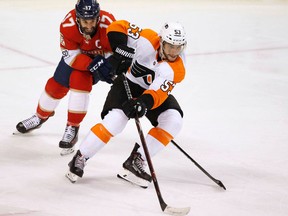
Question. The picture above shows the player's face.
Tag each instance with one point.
(171, 52)
(88, 26)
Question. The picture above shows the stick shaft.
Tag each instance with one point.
(218, 182)
(144, 145)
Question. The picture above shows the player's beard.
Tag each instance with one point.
(167, 57)
(170, 58)
(91, 32)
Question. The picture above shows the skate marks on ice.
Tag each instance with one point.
(13, 210)
(63, 151)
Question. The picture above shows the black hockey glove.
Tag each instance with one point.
(101, 69)
(121, 59)
(134, 107)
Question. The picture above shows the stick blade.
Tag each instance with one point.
(221, 185)
(176, 211)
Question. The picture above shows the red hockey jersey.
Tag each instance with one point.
(78, 49)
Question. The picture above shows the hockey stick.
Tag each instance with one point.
(218, 182)
(165, 208)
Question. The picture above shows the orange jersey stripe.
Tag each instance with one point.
(159, 97)
(129, 29)
(118, 26)
(161, 135)
(152, 36)
(179, 69)
(101, 132)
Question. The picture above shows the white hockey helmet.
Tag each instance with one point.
(173, 33)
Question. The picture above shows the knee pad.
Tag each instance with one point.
(115, 121)
(55, 89)
(78, 101)
(170, 121)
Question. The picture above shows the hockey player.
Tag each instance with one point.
(82, 37)
(158, 64)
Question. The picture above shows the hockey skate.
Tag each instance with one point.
(69, 139)
(76, 166)
(134, 169)
(31, 123)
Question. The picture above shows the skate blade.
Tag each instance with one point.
(72, 177)
(67, 151)
(17, 133)
(131, 178)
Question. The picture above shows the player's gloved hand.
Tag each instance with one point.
(101, 69)
(121, 59)
(134, 107)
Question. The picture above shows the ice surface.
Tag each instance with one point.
(235, 99)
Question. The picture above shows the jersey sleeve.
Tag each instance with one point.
(69, 43)
(69, 33)
(118, 26)
(106, 17)
(170, 73)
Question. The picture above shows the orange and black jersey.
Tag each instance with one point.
(157, 77)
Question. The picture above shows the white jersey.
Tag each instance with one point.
(148, 70)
